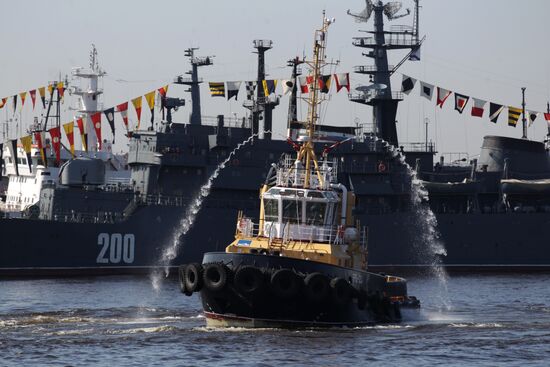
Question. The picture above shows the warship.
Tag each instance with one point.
(491, 213)
(304, 263)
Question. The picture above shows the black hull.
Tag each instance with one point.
(369, 301)
(491, 242)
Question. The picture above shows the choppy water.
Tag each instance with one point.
(122, 321)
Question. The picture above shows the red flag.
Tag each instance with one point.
(123, 109)
(55, 133)
(96, 120)
(478, 107)
(83, 137)
(342, 81)
(33, 97)
(41, 147)
(547, 117)
(305, 81)
(3, 103)
(163, 90)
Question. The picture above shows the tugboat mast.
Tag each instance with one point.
(307, 153)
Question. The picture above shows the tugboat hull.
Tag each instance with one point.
(271, 291)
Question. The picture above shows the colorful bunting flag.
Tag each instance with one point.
(163, 91)
(547, 118)
(69, 133)
(342, 80)
(305, 81)
(12, 147)
(40, 138)
(288, 85)
(23, 96)
(42, 92)
(55, 133)
(1, 155)
(14, 102)
(233, 90)
(83, 135)
(460, 102)
(513, 115)
(407, 85)
(150, 98)
(137, 105)
(26, 141)
(532, 117)
(3, 102)
(50, 89)
(494, 111)
(478, 107)
(110, 115)
(250, 87)
(269, 86)
(61, 89)
(33, 97)
(96, 120)
(442, 95)
(123, 109)
(217, 89)
(426, 90)
(324, 83)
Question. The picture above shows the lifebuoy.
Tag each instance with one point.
(215, 276)
(341, 291)
(249, 279)
(381, 167)
(193, 277)
(285, 283)
(317, 287)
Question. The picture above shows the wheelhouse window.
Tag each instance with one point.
(292, 211)
(315, 213)
(271, 209)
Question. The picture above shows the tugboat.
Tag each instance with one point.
(304, 264)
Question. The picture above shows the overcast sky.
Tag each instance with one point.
(486, 49)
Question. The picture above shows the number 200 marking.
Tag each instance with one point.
(116, 248)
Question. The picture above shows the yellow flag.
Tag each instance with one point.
(69, 129)
(22, 95)
(137, 105)
(42, 92)
(26, 141)
(150, 98)
(50, 88)
(61, 89)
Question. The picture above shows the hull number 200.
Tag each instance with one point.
(116, 248)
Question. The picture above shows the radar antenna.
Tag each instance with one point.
(391, 9)
(363, 16)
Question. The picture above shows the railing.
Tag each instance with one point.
(181, 80)
(369, 69)
(228, 121)
(456, 158)
(418, 147)
(366, 97)
(396, 40)
(285, 233)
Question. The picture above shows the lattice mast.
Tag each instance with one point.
(306, 153)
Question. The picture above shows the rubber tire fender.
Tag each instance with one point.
(317, 287)
(341, 291)
(181, 279)
(215, 276)
(285, 283)
(249, 280)
(193, 277)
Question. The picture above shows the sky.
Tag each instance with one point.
(485, 49)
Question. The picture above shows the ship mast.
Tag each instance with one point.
(307, 153)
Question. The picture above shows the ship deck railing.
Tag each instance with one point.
(228, 121)
(287, 233)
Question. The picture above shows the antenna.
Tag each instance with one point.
(363, 16)
(391, 9)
